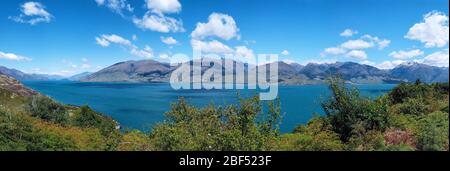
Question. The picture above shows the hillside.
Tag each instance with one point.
(19, 75)
(30, 121)
(132, 71)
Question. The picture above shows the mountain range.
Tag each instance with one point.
(289, 73)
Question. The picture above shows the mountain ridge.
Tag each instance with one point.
(293, 73)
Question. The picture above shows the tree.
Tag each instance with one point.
(353, 115)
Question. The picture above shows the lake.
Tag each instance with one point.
(139, 106)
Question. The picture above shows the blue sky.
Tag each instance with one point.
(72, 36)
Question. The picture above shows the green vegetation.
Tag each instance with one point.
(410, 117)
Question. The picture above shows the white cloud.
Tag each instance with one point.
(84, 60)
(213, 46)
(285, 52)
(357, 44)
(334, 51)
(117, 6)
(243, 51)
(320, 61)
(433, 31)
(106, 40)
(159, 23)
(164, 56)
(381, 43)
(359, 54)
(85, 66)
(366, 62)
(289, 61)
(439, 58)
(32, 13)
(389, 64)
(169, 40)
(218, 25)
(14, 57)
(147, 52)
(164, 6)
(348, 33)
(406, 54)
(102, 42)
(134, 37)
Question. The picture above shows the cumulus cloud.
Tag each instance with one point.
(164, 6)
(213, 46)
(348, 33)
(159, 23)
(357, 44)
(218, 25)
(289, 61)
(164, 56)
(243, 51)
(147, 52)
(334, 51)
(439, 58)
(389, 64)
(358, 54)
(433, 30)
(381, 43)
(117, 6)
(169, 40)
(32, 13)
(14, 57)
(106, 40)
(406, 54)
(285, 52)
(367, 62)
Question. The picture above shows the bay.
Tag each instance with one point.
(141, 105)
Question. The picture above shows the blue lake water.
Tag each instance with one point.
(139, 106)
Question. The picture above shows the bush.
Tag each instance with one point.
(322, 141)
(48, 110)
(228, 128)
(433, 132)
(414, 106)
(85, 117)
(405, 91)
(352, 115)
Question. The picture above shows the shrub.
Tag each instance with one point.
(346, 109)
(47, 109)
(227, 128)
(433, 132)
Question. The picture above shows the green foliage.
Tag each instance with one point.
(315, 136)
(19, 133)
(410, 117)
(218, 129)
(433, 132)
(41, 124)
(406, 91)
(135, 141)
(403, 122)
(413, 106)
(85, 117)
(400, 147)
(45, 108)
(352, 115)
